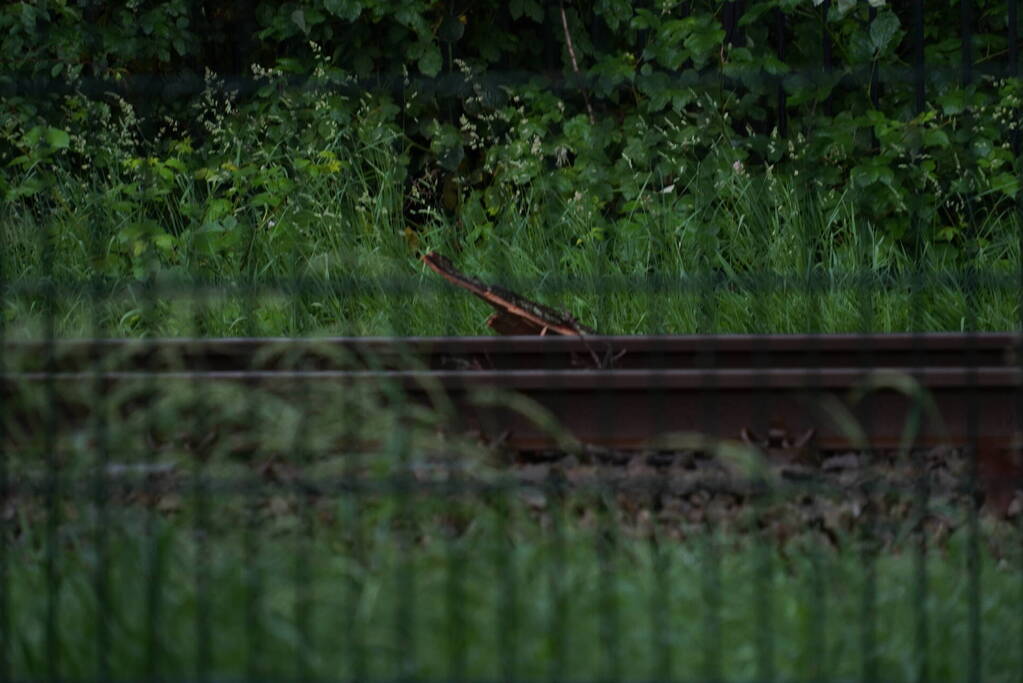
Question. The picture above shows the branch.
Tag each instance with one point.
(575, 62)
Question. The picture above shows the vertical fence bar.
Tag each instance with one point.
(100, 429)
(557, 619)
(505, 564)
(763, 287)
(101, 579)
(826, 47)
(966, 80)
(966, 21)
(866, 286)
(783, 119)
(875, 76)
(661, 595)
(705, 283)
(1013, 19)
(254, 575)
(155, 576)
(922, 492)
(305, 499)
(919, 75)
(973, 538)
(6, 495)
(731, 14)
(204, 633)
(1014, 73)
(455, 583)
(402, 485)
(352, 496)
(49, 457)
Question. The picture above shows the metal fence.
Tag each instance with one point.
(577, 504)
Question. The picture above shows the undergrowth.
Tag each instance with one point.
(229, 531)
(302, 216)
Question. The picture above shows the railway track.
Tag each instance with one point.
(830, 392)
(527, 353)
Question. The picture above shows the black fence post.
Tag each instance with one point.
(1013, 19)
(919, 74)
(829, 102)
(875, 78)
(973, 542)
(5, 493)
(783, 121)
(1014, 73)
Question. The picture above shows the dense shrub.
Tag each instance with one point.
(598, 106)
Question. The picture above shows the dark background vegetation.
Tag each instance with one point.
(204, 121)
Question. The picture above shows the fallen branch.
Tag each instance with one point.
(515, 314)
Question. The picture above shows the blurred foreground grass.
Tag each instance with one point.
(182, 530)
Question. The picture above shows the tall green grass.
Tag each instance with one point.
(371, 595)
(330, 252)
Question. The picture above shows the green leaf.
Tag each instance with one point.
(216, 208)
(705, 38)
(953, 102)
(451, 29)
(298, 16)
(528, 8)
(348, 10)
(176, 164)
(430, 63)
(164, 242)
(870, 172)
(57, 138)
(882, 30)
(30, 187)
(1006, 183)
(934, 137)
(32, 137)
(845, 5)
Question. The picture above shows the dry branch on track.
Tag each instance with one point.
(516, 315)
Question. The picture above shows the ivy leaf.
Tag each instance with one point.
(882, 30)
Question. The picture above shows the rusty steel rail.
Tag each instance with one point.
(525, 353)
(620, 392)
(629, 409)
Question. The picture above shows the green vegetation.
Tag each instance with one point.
(180, 167)
(267, 542)
(641, 178)
(372, 595)
(266, 234)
